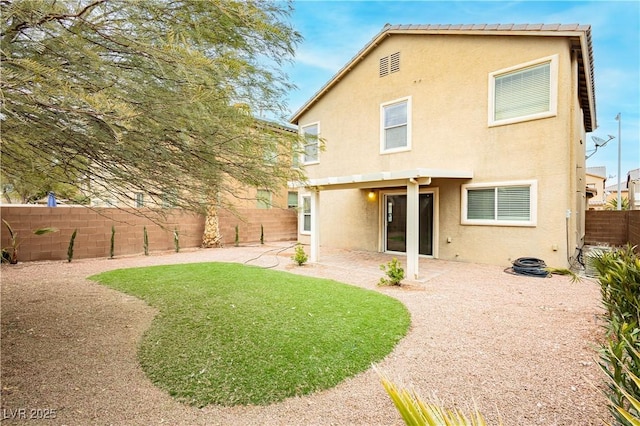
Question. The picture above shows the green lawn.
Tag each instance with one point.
(231, 334)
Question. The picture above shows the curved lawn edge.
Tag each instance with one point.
(231, 334)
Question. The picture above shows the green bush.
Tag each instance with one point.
(300, 257)
(113, 242)
(72, 241)
(619, 277)
(394, 272)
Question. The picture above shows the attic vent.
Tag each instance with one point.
(384, 66)
(390, 64)
(395, 62)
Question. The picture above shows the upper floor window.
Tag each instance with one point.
(139, 199)
(510, 203)
(395, 125)
(312, 143)
(524, 92)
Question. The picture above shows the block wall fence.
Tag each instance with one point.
(612, 227)
(93, 238)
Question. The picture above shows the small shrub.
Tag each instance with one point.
(394, 272)
(300, 257)
(71, 243)
(113, 242)
(176, 240)
(261, 234)
(237, 240)
(10, 254)
(145, 243)
(417, 411)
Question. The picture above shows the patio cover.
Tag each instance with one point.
(412, 179)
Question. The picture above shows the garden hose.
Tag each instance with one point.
(530, 266)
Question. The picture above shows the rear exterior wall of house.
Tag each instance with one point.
(445, 78)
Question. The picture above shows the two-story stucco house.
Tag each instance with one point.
(462, 142)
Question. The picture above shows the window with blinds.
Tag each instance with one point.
(500, 204)
(395, 125)
(526, 92)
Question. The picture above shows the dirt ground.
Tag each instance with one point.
(521, 349)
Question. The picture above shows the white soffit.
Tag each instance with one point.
(384, 179)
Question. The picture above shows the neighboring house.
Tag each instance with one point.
(461, 142)
(596, 180)
(242, 197)
(633, 189)
(629, 188)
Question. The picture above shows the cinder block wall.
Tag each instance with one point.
(277, 225)
(634, 228)
(93, 238)
(612, 227)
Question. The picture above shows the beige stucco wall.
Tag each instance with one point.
(446, 77)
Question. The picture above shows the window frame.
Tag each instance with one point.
(304, 213)
(553, 91)
(304, 148)
(533, 204)
(383, 106)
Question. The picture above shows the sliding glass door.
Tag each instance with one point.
(395, 228)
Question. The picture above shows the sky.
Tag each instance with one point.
(334, 31)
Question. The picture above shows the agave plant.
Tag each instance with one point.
(417, 412)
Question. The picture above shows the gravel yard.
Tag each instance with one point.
(521, 349)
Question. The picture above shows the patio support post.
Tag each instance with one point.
(413, 224)
(315, 225)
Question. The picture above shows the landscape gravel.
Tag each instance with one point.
(522, 350)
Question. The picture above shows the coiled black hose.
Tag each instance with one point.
(530, 266)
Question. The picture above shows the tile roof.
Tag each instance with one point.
(597, 171)
(580, 36)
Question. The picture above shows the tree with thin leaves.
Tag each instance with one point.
(118, 97)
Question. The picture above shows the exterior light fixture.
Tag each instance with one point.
(371, 195)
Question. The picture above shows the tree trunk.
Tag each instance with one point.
(211, 237)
